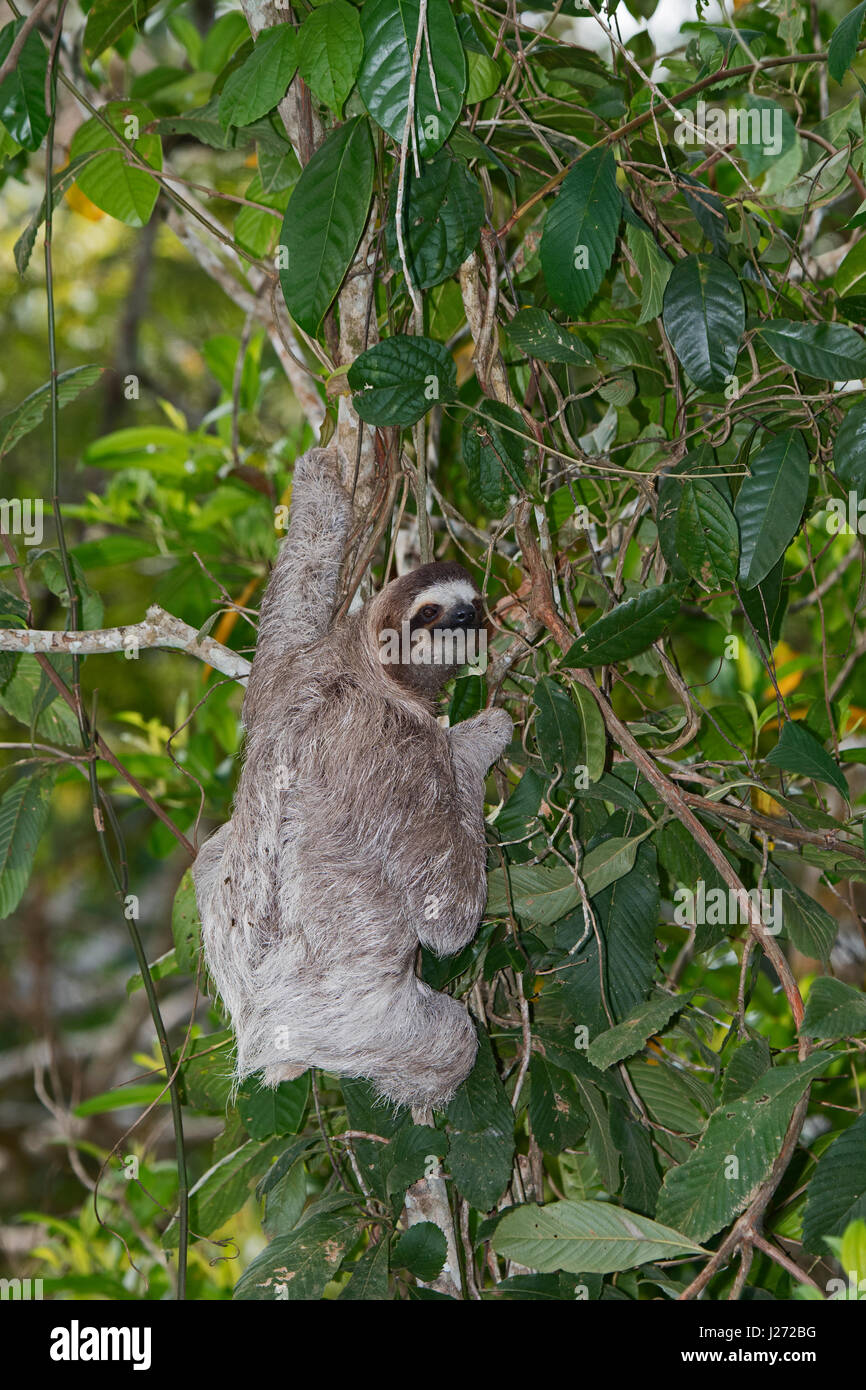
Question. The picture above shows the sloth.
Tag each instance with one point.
(357, 829)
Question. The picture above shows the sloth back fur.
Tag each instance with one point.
(357, 832)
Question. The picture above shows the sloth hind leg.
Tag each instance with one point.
(436, 1051)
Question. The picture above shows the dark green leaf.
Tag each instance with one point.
(493, 446)
(837, 1191)
(22, 93)
(538, 335)
(23, 813)
(261, 82)
(401, 378)
(443, 212)
(829, 350)
(329, 52)
(842, 48)
(107, 20)
(799, 751)
(834, 1010)
(632, 627)
(704, 317)
(585, 1237)
(580, 231)
(770, 504)
(324, 221)
(422, 1250)
(390, 31)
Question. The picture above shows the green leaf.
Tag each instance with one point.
(654, 269)
(585, 1238)
(707, 536)
(849, 450)
(580, 231)
(369, 1281)
(185, 925)
(806, 923)
(22, 93)
(842, 48)
(123, 1097)
(834, 1010)
(555, 1113)
(108, 19)
(330, 46)
(299, 1265)
(799, 751)
(324, 221)
(422, 1250)
(708, 1190)
(770, 504)
(540, 893)
(262, 80)
(569, 728)
(110, 181)
(401, 378)
(26, 416)
(608, 862)
(493, 446)
(829, 350)
(481, 1146)
(266, 1110)
(628, 1037)
(626, 916)
(23, 813)
(630, 628)
(837, 1190)
(538, 335)
(704, 316)
(443, 212)
(390, 31)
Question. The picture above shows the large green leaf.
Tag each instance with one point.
(493, 445)
(481, 1146)
(834, 1010)
(770, 504)
(702, 536)
(22, 93)
(538, 335)
(330, 46)
(421, 1250)
(569, 728)
(627, 1037)
(26, 416)
(108, 19)
(586, 1238)
(555, 1112)
(837, 1190)
(390, 28)
(806, 923)
(737, 1152)
(626, 918)
(110, 181)
(442, 217)
(842, 48)
(262, 80)
(630, 628)
(299, 1265)
(799, 751)
(704, 316)
(267, 1110)
(829, 350)
(580, 231)
(654, 269)
(23, 813)
(324, 221)
(541, 893)
(849, 449)
(401, 378)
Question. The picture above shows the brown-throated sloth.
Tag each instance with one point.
(357, 830)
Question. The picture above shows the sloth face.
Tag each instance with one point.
(427, 624)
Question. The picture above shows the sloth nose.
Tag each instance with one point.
(463, 615)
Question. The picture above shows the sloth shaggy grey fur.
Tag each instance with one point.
(357, 829)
